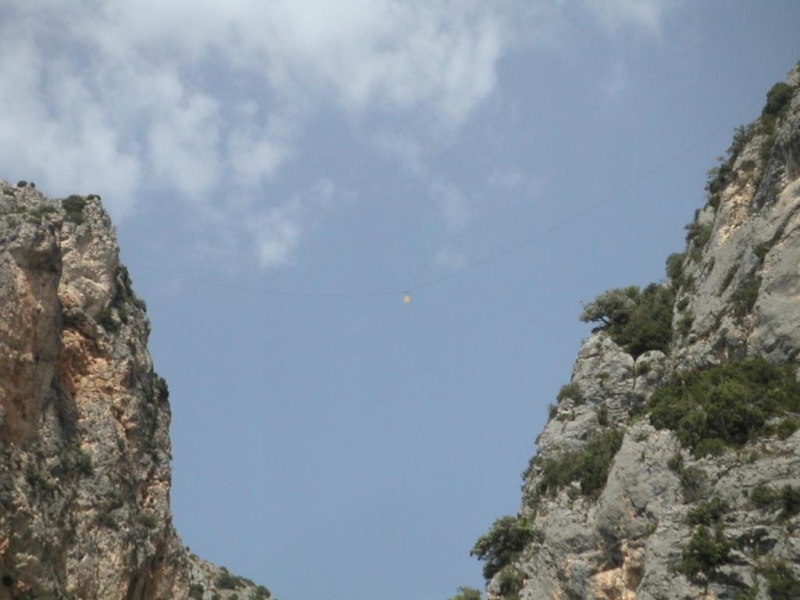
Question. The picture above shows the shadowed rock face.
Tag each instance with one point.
(738, 297)
(84, 419)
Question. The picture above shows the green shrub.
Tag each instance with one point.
(83, 463)
(650, 325)
(705, 553)
(107, 321)
(160, 389)
(73, 207)
(790, 501)
(761, 250)
(708, 513)
(694, 480)
(787, 427)
(675, 269)
(502, 544)
(637, 320)
(710, 447)
(226, 581)
(42, 212)
(731, 403)
(572, 391)
(589, 466)
(612, 309)
(720, 176)
(697, 236)
(511, 582)
(260, 593)
(778, 99)
(196, 591)
(39, 479)
(146, 519)
(741, 136)
(602, 415)
(786, 499)
(675, 463)
(467, 593)
(763, 497)
(744, 299)
(694, 483)
(782, 583)
(685, 323)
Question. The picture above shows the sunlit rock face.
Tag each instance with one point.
(657, 516)
(84, 419)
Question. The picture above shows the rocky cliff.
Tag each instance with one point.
(84, 441)
(670, 465)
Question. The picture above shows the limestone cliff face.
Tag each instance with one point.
(667, 519)
(84, 419)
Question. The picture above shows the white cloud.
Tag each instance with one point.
(278, 231)
(511, 179)
(187, 96)
(616, 81)
(454, 208)
(155, 90)
(404, 148)
(277, 235)
(450, 259)
(646, 15)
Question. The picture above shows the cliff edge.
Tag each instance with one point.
(670, 465)
(84, 419)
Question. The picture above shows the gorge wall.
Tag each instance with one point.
(669, 468)
(670, 465)
(84, 419)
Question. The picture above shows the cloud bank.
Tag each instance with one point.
(119, 97)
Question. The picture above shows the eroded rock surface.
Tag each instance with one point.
(84, 419)
(736, 291)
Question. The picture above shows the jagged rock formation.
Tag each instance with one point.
(84, 419)
(631, 497)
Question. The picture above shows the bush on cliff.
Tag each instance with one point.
(637, 320)
(724, 405)
(508, 537)
(588, 466)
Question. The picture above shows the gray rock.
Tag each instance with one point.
(84, 427)
(741, 298)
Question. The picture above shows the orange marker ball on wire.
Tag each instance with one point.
(407, 299)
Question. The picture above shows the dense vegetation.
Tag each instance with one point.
(467, 593)
(710, 410)
(782, 583)
(723, 406)
(588, 466)
(638, 320)
(705, 552)
(785, 499)
(708, 513)
(502, 544)
(73, 207)
(777, 104)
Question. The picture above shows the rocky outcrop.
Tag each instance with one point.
(84, 419)
(619, 506)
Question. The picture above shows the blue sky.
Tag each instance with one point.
(281, 173)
